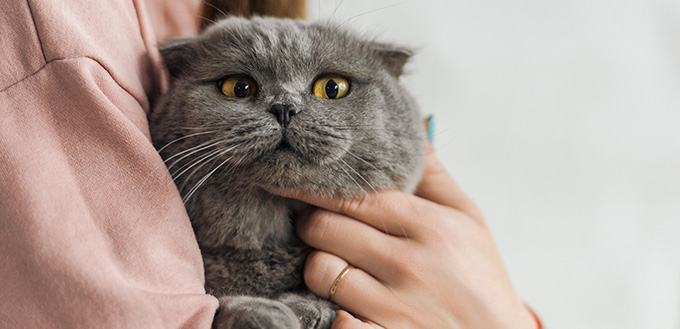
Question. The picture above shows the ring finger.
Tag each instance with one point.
(356, 292)
(360, 244)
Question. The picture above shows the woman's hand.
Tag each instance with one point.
(421, 261)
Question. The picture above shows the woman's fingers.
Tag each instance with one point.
(439, 187)
(345, 320)
(393, 212)
(356, 292)
(360, 244)
(396, 212)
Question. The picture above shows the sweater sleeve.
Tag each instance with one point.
(93, 233)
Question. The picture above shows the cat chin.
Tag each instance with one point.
(323, 184)
(315, 190)
(285, 159)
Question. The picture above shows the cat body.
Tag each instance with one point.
(245, 115)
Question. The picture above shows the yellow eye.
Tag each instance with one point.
(238, 86)
(331, 87)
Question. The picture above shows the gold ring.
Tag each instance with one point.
(334, 287)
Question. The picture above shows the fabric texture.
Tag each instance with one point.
(175, 18)
(93, 233)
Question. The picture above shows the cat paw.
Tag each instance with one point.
(244, 312)
(312, 311)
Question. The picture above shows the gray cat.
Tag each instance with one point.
(263, 104)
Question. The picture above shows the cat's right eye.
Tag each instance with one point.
(330, 86)
(238, 86)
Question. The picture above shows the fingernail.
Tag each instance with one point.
(332, 316)
(430, 128)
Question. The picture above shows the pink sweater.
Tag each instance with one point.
(93, 233)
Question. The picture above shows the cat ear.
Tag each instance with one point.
(393, 58)
(177, 54)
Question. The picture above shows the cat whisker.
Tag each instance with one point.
(177, 173)
(185, 137)
(352, 126)
(161, 165)
(190, 149)
(223, 126)
(352, 178)
(205, 178)
(368, 127)
(190, 165)
(206, 19)
(374, 190)
(360, 176)
(364, 161)
(403, 231)
(368, 12)
(335, 10)
(193, 150)
(212, 125)
(216, 8)
(187, 179)
(205, 161)
(195, 128)
(202, 161)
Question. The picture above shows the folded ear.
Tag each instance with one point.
(393, 58)
(177, 54)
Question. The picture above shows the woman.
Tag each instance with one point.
(90, 240)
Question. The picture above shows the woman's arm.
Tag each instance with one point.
(93, 233)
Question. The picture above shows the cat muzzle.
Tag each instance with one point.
(283, 113)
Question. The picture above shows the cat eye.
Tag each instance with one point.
(238, 86)
(331, 87)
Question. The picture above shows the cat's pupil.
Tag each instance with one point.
(241, 88)
(331, 89)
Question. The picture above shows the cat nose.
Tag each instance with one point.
(283, 113)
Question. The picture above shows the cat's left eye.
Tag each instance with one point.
(238, 86)
(331, 87)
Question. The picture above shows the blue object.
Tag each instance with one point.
(430, 129)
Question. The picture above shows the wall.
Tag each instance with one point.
(562, 119)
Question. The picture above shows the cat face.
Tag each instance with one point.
(281, 104)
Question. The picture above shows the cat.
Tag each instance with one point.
(265, 104)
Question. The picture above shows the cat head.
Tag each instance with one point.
(281, 104)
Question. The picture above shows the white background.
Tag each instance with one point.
(562, 120)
